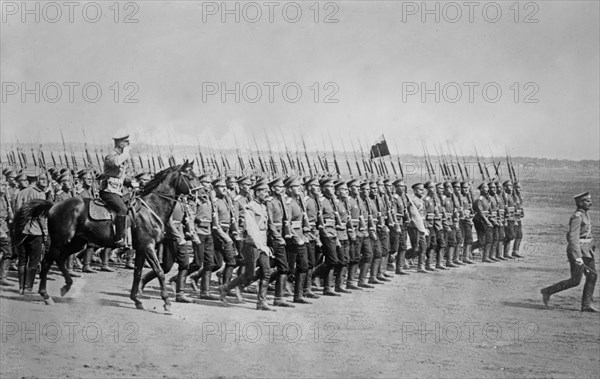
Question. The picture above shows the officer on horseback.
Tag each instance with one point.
(111, 187)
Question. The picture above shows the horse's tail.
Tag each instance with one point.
(33, 209)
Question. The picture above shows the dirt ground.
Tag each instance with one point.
(484, 320)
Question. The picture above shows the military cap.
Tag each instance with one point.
(456, 182)
(63, 170)
(481, 185)
(387, 182)
(276, 182)
(439, 184)
(399, 182)
(325, 181)
(353, 182)
(364, 183)
(64, 178)
(507, 182)
(141, 174)
(414, 186)
(30, 174)
(204, 177)
(121, 135)
(429, 184)
(582, 196)
(7, 172)
(340, 183)
(81, 173)
(218, 182)
(291, 181)
(308, 181)
(261, 183)
(243, 179)
(379, 182)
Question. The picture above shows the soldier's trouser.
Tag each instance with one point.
(172, 253)
(343, 252)
(441, 243)
(5, 255)
(280, 262)
(431, 241)
(253, 258)
(501, 238)
(509, 236)
(332, 260)
(208, 253)
(225, 253)
(518, 236)
(297, 257)
(588, 268)
(311, 247)
(394, 241)
(384, 243)
(30, 254)
(485, 236)
(418, 241)
(366, 250)
(458, 243)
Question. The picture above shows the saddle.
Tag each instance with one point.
(98, 210)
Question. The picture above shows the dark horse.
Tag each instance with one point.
(70, 228)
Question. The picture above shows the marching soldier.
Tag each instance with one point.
(450, 223)
(466, 222)
(400, 208)
(509, 234)
(429, 202)
(493, 217)
(329, 237)
(6, 215)
(378, 224)
(225, 251)
(359, 229)
(255, 249)
(580, 252)
(519, 214)
(457, 257)
(313, 246)
(501, 221)
(369, 235)
(441, 227)
(86, 191)
(295, 245)
(35, 233)
(418, 230)
(345, 233)
(483, 225)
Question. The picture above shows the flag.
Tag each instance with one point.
(380, 149)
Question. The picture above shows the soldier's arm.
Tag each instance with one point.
(479, 211)
(573, 235)
(272, 229)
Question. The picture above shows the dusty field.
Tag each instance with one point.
(476, 321)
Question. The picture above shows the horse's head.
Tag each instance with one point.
(186, 179)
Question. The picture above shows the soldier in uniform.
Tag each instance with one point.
(483, 225)
(580, 252)
(378, 223)
(502, 213)
(345, 233)
(509, 234)
(6, 215)
(418, 230)
(369, 234)
(243, 197)
(431, 216)
(466, 222)
(295, 245)
(223, 241)
(450, 224)
(313, 246)
(400, 208)
(359, 229)
(255, 249)
(458, 206)
(519, 214)
(111, 187)
(86, 191)
(493, 217)
(35, 233)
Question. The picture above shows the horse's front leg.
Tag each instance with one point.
(152, 259)
(140, 256)
(61, 261)
(46, 264)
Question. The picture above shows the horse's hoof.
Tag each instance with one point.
(167, 308)
(49, 301)
(139, 306)
(64, 290)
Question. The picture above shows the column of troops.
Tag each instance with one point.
(299, 235)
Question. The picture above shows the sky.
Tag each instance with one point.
(526, 79)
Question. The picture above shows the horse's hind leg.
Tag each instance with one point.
(62, 264)
(46, 264)
(137, 276)
(155, 264)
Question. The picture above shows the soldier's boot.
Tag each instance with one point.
(499, 249)
(308, 293)
(400, 263)
(120, 230)
(180, 296)
(3, 271)
(439, 255)
(375, 263)
(492, 252)
(390, 264)
(30, 279)
(194, 278)
(21, 276)
(485, 251)
(299, 288)
(351, 282)
(104, 254)
(588, 293)
(205, 287)
(385, 267)
(87, 261)
(70, 264)
(339, 279)
(458, 255)
(450, 256)
(506, 251)
(328, 278)
(428, 265)
(226, 278)
(362, 276)
(129, 259)
(261, 303)
(468, 255)
(279, 301)
(381, 270)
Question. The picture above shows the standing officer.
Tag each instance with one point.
(111, 187)
(580, 252)
(418, 232)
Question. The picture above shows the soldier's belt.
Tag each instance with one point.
(585, 240)
(224, 226)
(312, 224)
(204, 223)
(329, 222)
(296, 224)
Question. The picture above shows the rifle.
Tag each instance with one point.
(399, 163)
(310, 170)
(337, 167)
(271, 160)
(355, 158)
(426, 163)
(262, 165)
(369, 167)
(510, 174)
(346, 157)
(237, 151)
(287, 152)
(33, 157)
(64, 148)
(494, 164)
(479, 164)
